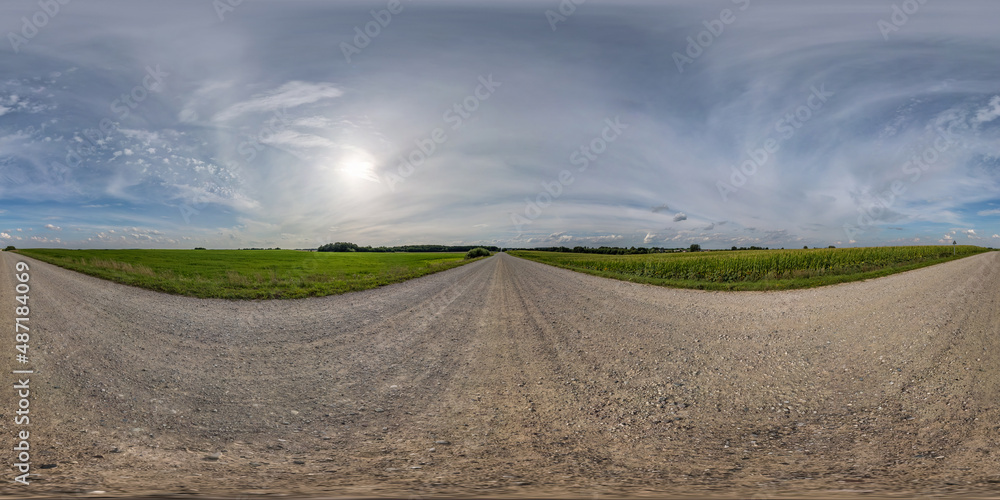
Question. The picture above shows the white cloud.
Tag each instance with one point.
(649, 238)
(42, 239)
(289, 95)
(5, 236)
(299, 140)
(3, 110)
(314, 122)
(234, 200)
(142, 135)
(189, 114)
(53, 228)
(697, 133)
(680, 216)
(971, 231)
(989, 113)
(947, 237)
(995, 211)
(560, 237)
(996, 235)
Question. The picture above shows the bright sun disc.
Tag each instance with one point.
(359, 169)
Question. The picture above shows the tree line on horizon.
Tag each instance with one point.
(344, 246)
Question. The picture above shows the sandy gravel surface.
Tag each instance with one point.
(511, 378)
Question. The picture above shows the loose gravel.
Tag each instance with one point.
(510, 378)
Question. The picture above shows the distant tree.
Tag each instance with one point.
(9, 248)
(340, 246)
(200, 248)
(806, 247)
(695, 247)
(477, 252)
(734, 247)
(831, 246)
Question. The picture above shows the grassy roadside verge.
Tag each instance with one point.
(644, 268)
(249, 274)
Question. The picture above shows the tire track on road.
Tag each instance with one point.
(537, 379)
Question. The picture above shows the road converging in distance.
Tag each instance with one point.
(509, 377)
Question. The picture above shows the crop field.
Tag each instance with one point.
(249, 274)
(755, 269)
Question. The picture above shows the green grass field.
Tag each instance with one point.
(755, 269)
(249, 274)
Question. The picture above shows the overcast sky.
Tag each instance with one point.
(516, 123)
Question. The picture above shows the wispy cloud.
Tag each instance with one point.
(259, 138)
(289, 95)
(989, 113)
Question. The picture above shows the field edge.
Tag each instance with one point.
(748, 286)
(133, 280)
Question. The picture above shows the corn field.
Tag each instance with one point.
(754, 265)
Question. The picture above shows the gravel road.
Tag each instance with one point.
(506, 377)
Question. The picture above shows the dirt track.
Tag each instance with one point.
(508, 377)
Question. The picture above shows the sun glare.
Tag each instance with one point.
(359, 167)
